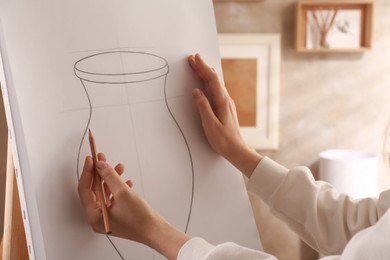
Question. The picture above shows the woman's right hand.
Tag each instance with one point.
(131, 217)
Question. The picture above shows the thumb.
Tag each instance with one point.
(110, 177)
(202, 103)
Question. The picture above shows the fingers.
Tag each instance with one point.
(201, 68)
(120, 169)
(102, 157)
(88, 193)
(129, 183)
(202, 103)
(191, 60)
(110, 177)
(85, 183)
(86, 177)
(210, 77)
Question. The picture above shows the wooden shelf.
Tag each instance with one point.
(323, 18)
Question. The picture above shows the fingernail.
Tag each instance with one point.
(196, 93)
(101, 165)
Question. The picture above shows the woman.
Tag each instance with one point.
(332, 223)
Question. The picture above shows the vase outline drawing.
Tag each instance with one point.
(154, 67)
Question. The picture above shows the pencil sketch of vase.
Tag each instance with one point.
(126, 91)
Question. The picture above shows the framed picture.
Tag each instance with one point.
(334, 26)
(250, 64)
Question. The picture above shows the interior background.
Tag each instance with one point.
(326, 101)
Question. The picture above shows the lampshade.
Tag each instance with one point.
(352, 172)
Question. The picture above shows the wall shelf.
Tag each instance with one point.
(341, 26)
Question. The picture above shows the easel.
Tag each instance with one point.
(14, 245)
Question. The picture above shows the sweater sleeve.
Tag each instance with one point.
(199, 249)
(324, 219)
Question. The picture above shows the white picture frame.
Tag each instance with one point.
(258, 56)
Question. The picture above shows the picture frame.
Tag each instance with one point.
(251, 69)
(334, 26)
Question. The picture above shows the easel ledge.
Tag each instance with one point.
(14, 244)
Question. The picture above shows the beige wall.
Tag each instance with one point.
(326, 100)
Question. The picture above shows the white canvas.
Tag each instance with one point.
(68, 66)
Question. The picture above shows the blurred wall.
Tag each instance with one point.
(326, 100)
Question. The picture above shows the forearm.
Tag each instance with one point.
(323, 218)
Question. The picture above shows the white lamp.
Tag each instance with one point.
(352, 172)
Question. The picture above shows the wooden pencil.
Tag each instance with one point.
(99, 183)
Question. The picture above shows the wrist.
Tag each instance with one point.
(245, 159)
(167, 240)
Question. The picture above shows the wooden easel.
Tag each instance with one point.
(14, 245)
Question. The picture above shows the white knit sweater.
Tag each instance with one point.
(332, 223)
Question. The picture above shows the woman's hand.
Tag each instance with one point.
(219, 119)
(130, 216)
